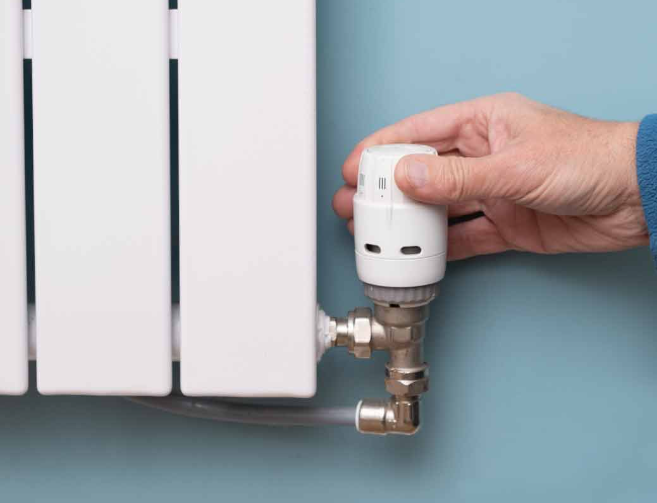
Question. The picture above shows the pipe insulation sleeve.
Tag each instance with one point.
(256, 414)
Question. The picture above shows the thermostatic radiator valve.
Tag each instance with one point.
(401, 249)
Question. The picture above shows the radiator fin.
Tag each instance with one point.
(102, 213)
(247, 197)
(13, 281)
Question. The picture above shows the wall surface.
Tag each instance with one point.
(544, 369)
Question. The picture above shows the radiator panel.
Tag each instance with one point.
(102, 214)
(13, 297)
(247, 197)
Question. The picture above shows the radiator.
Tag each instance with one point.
(103, 132)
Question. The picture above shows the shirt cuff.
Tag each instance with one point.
(646, 166)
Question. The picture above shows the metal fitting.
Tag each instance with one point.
(407, 382)
(398, 329)
(378, 417)
(354, 332)
(361, 320)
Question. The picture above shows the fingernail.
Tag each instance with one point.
(417, 173)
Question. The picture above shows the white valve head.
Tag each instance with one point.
(400, 243)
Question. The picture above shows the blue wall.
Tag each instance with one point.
(544, 368)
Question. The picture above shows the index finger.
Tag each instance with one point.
(440, 127)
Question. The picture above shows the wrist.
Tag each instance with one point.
(625, 140)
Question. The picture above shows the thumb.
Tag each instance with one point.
(446, 180)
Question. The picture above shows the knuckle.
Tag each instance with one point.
(451, 181)
(512, 96)
(334, 202)
(414, 126)
(346, 171)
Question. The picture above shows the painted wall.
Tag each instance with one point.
(544, 369)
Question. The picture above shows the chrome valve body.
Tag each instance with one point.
(398, 329)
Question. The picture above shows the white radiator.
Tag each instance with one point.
(247, 196)
(13, 281)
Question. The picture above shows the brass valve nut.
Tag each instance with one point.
(402, 382)
(360, 325)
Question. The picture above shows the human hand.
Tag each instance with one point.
(546, 181)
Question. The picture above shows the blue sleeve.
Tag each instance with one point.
(646, 166)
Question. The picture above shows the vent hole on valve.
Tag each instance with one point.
(411, 250)
(373, 248)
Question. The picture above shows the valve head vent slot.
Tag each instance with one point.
(373, 248)
(411, 250)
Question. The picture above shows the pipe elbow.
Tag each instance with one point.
(398, 416)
